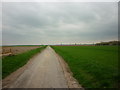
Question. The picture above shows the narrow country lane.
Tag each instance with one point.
(45, 71)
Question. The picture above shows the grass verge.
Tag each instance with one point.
(12, 63)
(92, 66)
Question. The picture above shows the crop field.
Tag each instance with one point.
(92, 66)
(14, 62)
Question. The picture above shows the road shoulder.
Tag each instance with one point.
(71, 81)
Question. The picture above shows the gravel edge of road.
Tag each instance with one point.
(71, 81)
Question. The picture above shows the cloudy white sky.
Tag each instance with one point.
(59, 22)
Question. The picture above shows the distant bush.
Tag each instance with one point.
(109, 43)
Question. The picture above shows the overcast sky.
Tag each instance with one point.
(55, 23)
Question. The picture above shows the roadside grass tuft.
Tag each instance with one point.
(12, 63)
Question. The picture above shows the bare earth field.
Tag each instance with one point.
(13, 50)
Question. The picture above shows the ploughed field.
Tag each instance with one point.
(92, 66)
(13, 50)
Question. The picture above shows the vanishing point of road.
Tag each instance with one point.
(45, 71)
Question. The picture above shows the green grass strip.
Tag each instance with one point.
(12, 63)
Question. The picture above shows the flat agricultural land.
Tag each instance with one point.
(16, 49)
(92, 66)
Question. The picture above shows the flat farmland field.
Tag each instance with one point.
(92, 66)
(13, 50)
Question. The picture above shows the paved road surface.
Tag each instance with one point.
(44, 72)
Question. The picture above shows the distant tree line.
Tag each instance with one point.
(109, 43)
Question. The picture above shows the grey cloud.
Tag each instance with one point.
(51, 23)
